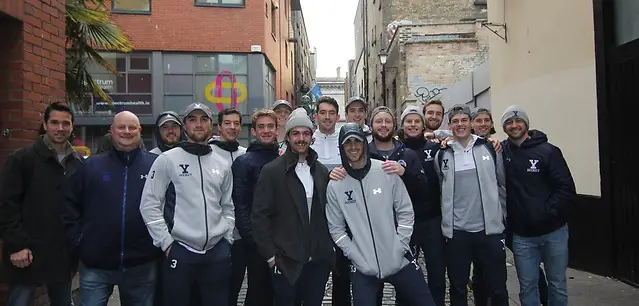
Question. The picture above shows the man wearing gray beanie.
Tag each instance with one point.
(540, 194)
(289, 223)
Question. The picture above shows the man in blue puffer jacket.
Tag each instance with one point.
(103, 222)
(246, 172)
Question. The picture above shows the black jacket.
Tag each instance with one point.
(426, 151)
(540, 190)
(246, 172)
(281, 226)
(414, 177)
(31, 197)
(102, 210)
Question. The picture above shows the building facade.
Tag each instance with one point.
(304, 78)
(577, 81)
(187, 51)
(334, 87)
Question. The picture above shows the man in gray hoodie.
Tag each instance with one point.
(168, 133)
(370, 218)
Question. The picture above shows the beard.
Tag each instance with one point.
(198, 137)
(381, 138)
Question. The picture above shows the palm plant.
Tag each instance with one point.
(89, 29)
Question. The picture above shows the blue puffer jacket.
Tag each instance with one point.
(102, 210)
(246, 171)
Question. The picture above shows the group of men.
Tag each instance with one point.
(180, 224)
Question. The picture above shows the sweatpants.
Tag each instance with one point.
(409, 283)
(488, 252)
(207, 273)
(308, 290)
(238, 269)
(260, 285)
(341, 280)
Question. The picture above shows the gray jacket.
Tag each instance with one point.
(370, 209)
(492, 181)
(230, 157)
(203, 211)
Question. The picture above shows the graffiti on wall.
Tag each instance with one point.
(422, 90)
(215, 91)
(427, 93)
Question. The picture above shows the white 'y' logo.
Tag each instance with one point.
(533, 165)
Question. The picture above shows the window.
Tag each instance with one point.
(130, 88)
(626, 21)
(273, 20)
(231, 3)
(269, 88)
(286, 52)
(131, 6)
(219, 79)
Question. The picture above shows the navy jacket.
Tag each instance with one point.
(102, 210)
(246, 170)
(539, 187)
(426, 151)
(414, 177)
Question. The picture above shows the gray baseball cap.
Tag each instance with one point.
(355, 99)
(280, 103)
(197, 106)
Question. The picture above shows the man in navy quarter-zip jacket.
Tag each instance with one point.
(197, 232)
(103, 223)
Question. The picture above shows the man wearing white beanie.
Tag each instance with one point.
(289, 223)
(539, 197)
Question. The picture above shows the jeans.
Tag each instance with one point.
(22, 295)
(552, 250)
(135, 284)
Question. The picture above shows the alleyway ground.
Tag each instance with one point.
(584, 289)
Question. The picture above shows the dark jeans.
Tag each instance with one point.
(487, 252)
(479, 288)
(408, 282)
(341, 280)
(260, 285)
(308, 290)
(208, 273)
(135, 284)
(22, 295)
(238, 269)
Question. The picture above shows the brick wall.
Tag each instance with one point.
(31, 74)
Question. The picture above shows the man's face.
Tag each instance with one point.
(354, 150)
(434, 114)
(299, 139)
(230, 127)
(170, 133)
(126, 132)
(198, 126)
(58, 126)
(356, 112)
(413, 126)
(460, 125)
(383, 127)
(265, 130)
(482, 125)
(516, 128)
(282, 113)
(326, 116)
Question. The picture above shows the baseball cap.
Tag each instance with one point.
(166, 118)
(282, 102)
(197, 106)
(352, 136)
(355, 99)
(458, 109)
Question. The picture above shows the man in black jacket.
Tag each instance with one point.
(246, 172)
(540, 192)
(289, 223)
(35, 250)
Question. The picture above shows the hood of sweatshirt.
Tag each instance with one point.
(156, 131)
(346, 131)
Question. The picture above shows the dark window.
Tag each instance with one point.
(236, 3)
(480, 2)
(131, 6)
(273, 19)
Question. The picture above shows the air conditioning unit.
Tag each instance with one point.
(256, 48)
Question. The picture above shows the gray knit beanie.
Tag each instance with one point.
(298, 118)
(412, 110)
(512, 112)
(383, 109)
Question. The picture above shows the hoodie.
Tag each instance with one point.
(541, 190)
(158, 138)
(426, 151)
(370, 216)
(327, 148)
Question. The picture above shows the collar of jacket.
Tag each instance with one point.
(195, 148)
(126, 158)
(398, 148)
(229, 146)
(292, 158)
(478, 142)
(44, 148)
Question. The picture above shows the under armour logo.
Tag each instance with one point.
(533, 165)
(215, 171)
(143, 176)
(378, 190)
(485, 157)
(428, 152)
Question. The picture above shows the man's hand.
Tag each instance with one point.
(22, 259)
(496, 144)
(445, 142)
(393, 167)
(337, 174)
(429, 135)
(168, 251)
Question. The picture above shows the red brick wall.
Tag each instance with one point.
(31, 74)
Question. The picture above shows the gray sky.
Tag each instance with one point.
(329, 25)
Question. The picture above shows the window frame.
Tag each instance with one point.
(125, 11)
(219, 4)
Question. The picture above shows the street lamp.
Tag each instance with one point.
(383, 56)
